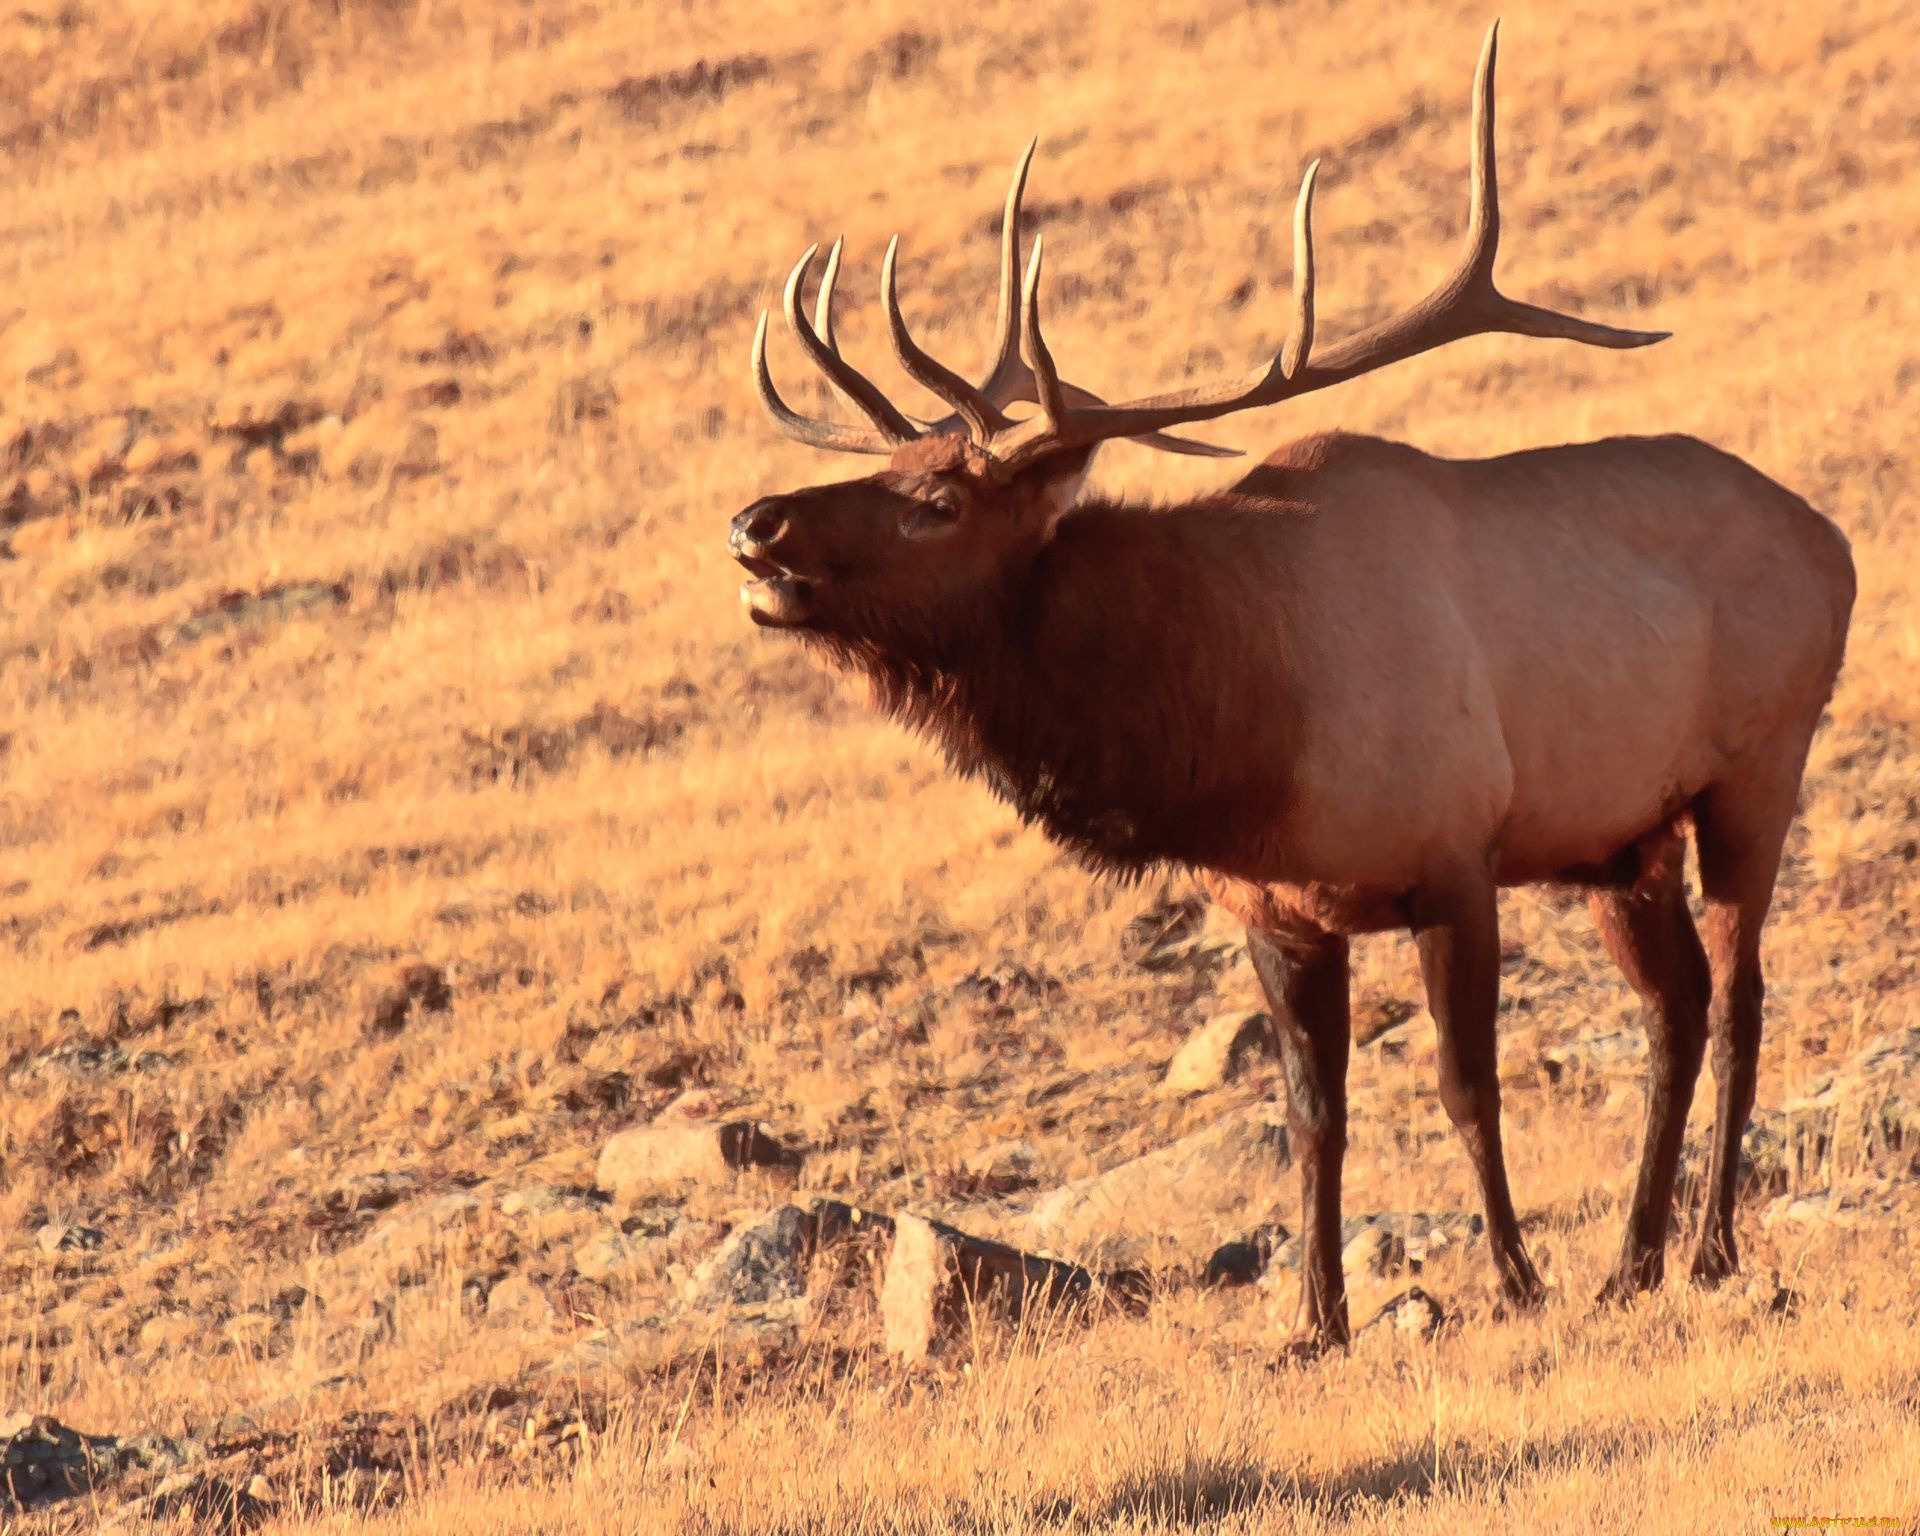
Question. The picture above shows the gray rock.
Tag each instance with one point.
(1244, 1260)
(1389, 1240)
(760, 1262)
(86, 1058)
(1187, 933)
(1412, 1315)
(42, 1461)
(62, 1237)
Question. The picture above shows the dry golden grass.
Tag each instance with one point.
(426, 323)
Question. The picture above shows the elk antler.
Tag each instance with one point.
(979, 410)
(1465, 304)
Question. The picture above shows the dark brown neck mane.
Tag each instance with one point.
(1122, 696)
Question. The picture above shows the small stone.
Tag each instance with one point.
(544, 1199)
(612, 1255)
(1413, 1314)
(1014, 1164)
(61, 1237)
(1244, 1260)
(1390, 1239)
(1216, 1052)
(676, 1149)
(1372, 1251)
(517, 1299)
(1594, 1057)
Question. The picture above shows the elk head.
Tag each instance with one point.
(909, 563)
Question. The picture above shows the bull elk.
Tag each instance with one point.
(1362, 689)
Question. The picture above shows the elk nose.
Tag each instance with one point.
(760, 526)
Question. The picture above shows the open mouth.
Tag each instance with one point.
(775, 596)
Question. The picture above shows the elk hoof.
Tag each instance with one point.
(1632, 1277)
(1714, 1264)
(1308, 1345)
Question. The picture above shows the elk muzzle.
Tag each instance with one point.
(773, 596)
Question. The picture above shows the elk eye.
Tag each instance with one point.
(938, 512)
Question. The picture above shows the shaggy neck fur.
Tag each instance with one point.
(1127, 693)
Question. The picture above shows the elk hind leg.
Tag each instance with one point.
(1649, 932)
(1741, 830)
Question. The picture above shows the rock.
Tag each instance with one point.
(1413, 1315)
(518, 1300)
(169, 1332)
(1244, 1260)
(1007, 1165)
(1373, 1251)
(208, 1501)
(1594, 1057)
(61, 1237)
(1210, 1164)
(1864, 1109)
(1181, 933)
(677, 1148)
(1408, 1040)
(1831, 1207)
(1215, 1053)
(762, 1262)
(402, 1249)
(84, 1058)
(545, 1199)
(936, 1277)
(42, 1461)
(612, 1255)
(1388, 1240)
(370, 1192)
(269, 605)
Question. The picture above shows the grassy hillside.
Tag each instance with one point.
(394, 802)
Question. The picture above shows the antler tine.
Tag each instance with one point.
(1300, 340)
(823, 301)
(1046, 378)
(1004, 372)
(1483, 240)
(856, 386)
(806, 429)
(1466, 303)
(982, 417)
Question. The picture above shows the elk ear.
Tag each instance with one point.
(1048, 490)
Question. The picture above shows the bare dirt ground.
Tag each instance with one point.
(395, 806)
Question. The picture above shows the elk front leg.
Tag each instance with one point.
(1456, 926)
(1306, 986)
